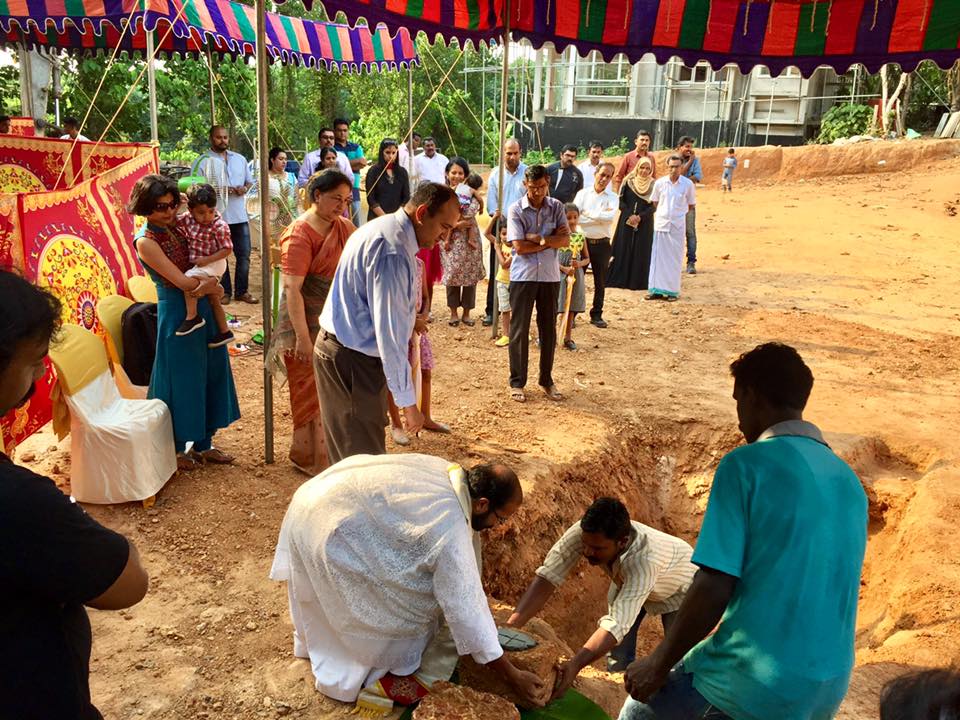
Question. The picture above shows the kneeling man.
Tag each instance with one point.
(376, 551)
(649, 571)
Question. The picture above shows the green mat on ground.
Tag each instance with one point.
(572, 706)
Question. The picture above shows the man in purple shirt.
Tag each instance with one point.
(536, 227)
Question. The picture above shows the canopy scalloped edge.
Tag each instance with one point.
(190, 41)
(358, 13)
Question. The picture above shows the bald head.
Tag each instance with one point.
(511, 154)
(495, 493)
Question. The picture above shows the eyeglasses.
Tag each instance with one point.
(164, 206)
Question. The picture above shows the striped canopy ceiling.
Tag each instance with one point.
(775, 33)
(226, 28)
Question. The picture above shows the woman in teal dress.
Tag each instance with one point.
(194, 380)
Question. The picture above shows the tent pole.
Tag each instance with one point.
(504, 83)
(263, 183)
(410, 147)
(210, 80)
(152, 89)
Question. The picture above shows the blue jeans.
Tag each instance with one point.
(677, 700)
(692, 235)
(240, 237)
(626, 652)
(355, 217)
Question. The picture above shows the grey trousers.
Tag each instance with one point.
(692, 235)
(353, 399)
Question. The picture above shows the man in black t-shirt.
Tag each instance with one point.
(55, 559)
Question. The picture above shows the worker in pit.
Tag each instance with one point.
(649, 571)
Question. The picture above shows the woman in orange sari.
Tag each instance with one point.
(310, 249)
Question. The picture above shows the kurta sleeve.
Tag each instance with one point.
(459, 592)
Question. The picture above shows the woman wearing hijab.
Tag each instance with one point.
(633, 239)
(387, 184)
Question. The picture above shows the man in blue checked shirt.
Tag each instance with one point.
(536, 227)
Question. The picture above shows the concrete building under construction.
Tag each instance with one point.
(575, 100)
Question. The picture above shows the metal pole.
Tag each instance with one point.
(211, 81)
(703, 119)
(483, 104)
(152, 89)
(263, 170)
(766, 137)
(410, 147)
(504, 83)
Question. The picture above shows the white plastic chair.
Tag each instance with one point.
(121, 450)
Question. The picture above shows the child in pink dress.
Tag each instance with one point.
(425, 349)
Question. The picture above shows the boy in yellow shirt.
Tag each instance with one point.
(504, 257)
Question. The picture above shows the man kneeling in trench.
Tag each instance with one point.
(375, 551)
(649, 571)
(779, 555)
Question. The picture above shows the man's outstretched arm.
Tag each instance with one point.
(702, 608)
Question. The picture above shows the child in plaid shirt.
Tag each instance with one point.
(208, 240)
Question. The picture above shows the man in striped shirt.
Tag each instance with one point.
(649, 572)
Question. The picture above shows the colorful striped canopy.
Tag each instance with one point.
(775, 33)
(226, 28)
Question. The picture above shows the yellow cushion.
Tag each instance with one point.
(110, 310)
(78, 356)
(142, 289)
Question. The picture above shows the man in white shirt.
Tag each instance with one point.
(374, 551)
(649, 573)
(406, 156)
(431, 166)
(230, 176)
(513, 190)
(311, 163)
(598, 206)
(71, 129)
(673, 196)
(590, 166)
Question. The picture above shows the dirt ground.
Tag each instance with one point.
(858, 272)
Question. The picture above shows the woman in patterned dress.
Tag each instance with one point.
(461, 254)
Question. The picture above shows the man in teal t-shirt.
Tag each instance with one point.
(780, 553)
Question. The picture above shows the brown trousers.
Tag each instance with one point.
(353, 399)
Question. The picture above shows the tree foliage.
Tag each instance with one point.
(843, 121)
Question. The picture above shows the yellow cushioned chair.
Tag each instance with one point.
(121, 450)
(110, 310)
(142, 289)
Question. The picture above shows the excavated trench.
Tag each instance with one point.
(662, 471)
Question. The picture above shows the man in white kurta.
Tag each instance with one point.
(376, 551)
(674, 196)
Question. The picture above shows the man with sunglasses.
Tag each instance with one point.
(649, 572)
(373, 551)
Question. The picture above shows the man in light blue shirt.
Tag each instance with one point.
(368, 320)
(536, 227)
(690, 169)
(311, 163)
(229, 173)
(513, 190)
(780, 554)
